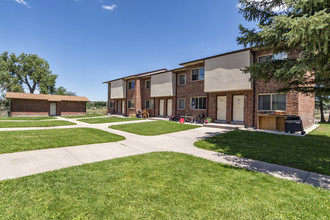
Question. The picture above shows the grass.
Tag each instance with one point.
(311, 153)
(107, 120)
(103, 111)
(27, 118)
(15, 141)
(19, 124)
(154, 128)
(83, 116)
(159, 186)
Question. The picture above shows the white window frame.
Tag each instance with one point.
(130, 81)
(272, 56)
(150, 101)
(184, 103)
(129, 106)
(271, 102)
(185, 79)
(198, 98)
(146, 84)
(191, 73)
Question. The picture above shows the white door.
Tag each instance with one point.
(161, 107)
(169, 107)
(118, 107)
(221, 108)
(123, 108)
(52, 110)
(238, 108)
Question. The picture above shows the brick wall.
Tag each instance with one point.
(146, 95)
(71, 108)
(248, 105)
(23, 107)
(190, 89)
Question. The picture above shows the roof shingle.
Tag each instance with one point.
(51, 98)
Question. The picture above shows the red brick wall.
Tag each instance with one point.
(146, 95)
(71, 108)
(130, 95)
(292, 98)
(190, 89)
(248, 106)
(21, 107)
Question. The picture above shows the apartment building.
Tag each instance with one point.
(214, 86)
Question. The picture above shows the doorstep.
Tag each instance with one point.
(225, 126)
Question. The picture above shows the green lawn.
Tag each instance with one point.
(154, 128)
(27, 118)
(311, 152)
(159, 186)
(18, 124)
(107, 120)
(83, 116)
(15, 141)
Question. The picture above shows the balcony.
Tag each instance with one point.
(163, 84)
(223, 73)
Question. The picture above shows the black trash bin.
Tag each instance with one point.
(294, 124)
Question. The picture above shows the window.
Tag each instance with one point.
(278, 56)
(130, 104)
(197, 74)
(182, 79)
(182, 104)
(272, 102)
(149, 104)
(148, 84)
(198, 103)
(111, 104)
(131, 84)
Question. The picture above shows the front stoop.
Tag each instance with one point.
(225, 126)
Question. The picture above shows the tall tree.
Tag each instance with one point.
(291, 26)
(63, 91)
(26, 70)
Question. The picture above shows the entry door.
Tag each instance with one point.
(161, 107)
(118, 108)
(123, 107)
(169, 107)
(221, 108)
(238, 108)
(52, 110)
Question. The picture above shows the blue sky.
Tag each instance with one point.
(87, 42)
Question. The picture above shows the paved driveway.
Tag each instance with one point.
(26, 163)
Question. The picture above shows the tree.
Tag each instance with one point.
(28, 70)
(63, 91)
(292, 26)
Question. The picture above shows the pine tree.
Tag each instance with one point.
(292, 26)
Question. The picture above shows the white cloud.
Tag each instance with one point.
(109, 7)
(275, 9)
(22, 2)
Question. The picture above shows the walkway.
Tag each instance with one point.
(21, 164)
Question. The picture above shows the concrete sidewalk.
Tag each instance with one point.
(20, 164)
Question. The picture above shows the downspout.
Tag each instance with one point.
(254, 95)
